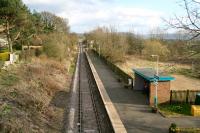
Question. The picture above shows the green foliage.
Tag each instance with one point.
(183, 108)
(5, 109)
(72, 68)
(172, 128)
(4, 56)
(10, 8)
(17, 46)
(3, 49)
(14, 14)
(55, 46)
(8, 79)
(25, 28)
(197, 99)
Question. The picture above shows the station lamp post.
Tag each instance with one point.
(156, 81)
(99, 48)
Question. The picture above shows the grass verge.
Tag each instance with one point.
(175, 109)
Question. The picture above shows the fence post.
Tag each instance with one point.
(132, 84)
(187, 96)
(170, 96)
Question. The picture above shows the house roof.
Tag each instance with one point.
(150, 75)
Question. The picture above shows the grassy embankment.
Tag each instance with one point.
(34, 96)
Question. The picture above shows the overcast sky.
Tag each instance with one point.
(126, 15)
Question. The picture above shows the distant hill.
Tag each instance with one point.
(172, 36)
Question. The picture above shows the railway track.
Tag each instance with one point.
(88, 111)
(88, 119)
(91, 110)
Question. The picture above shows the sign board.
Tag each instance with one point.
(156, 77)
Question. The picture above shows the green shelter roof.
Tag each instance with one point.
(150, 75)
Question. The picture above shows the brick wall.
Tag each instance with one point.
(163, 92)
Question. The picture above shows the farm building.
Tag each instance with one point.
(145, 81)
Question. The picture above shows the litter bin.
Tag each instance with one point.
(197, 100)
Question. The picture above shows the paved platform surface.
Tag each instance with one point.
(131, 105)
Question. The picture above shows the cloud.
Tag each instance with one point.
(40, 1)
(84, 15)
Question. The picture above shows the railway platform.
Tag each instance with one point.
(131, 105)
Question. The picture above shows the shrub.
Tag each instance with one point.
(4, 56)
(38, 52)
(55, 46)
(8, 79)
(5, 109)
(172, 128)
(152, 47)
(5, 49)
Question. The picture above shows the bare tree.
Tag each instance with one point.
(54, 22)
(191, 21)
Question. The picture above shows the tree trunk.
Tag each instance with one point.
(8, 36)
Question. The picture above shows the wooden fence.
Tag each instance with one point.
(183, 96)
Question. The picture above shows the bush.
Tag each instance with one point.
(4, 56)
(38, 52)
(8, 79)
(154, 47)
(17, 46)
(5, 49)
(176, 108)
(172, 128)
(55, 46)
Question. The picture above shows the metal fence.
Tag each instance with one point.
(183, 96)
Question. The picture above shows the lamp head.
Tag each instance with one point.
(154, 55)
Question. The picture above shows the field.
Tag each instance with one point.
(183, 79)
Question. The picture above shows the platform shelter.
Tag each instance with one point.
(146, 80)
